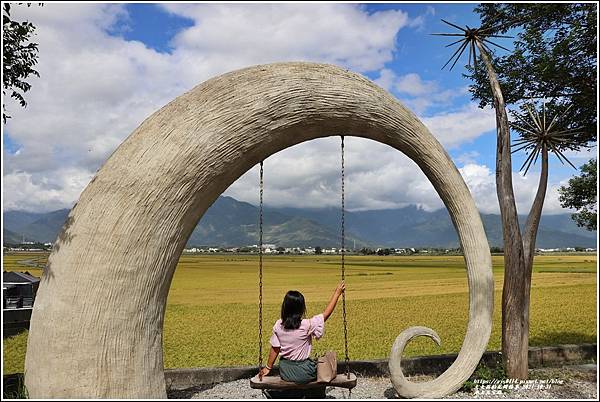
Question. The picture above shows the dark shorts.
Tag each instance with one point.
(298, 371)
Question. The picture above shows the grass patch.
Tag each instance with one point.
(14, 349)
(486, 372)
(211, 316)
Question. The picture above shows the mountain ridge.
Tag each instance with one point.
(229, 222)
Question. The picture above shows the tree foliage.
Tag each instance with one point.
(581, 195)
(554, 57)
(19, 57)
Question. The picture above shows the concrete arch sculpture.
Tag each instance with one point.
(96, 330)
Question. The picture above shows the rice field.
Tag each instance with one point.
(211, 317)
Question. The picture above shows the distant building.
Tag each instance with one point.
(18, 294)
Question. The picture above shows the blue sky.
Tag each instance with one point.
(105, 67)
(142, 22)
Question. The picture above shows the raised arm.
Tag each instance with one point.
(334, 298)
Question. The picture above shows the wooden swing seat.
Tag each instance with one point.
(275, 382)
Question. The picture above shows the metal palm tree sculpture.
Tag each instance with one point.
(472, 38)
(539, 135)
(537, 138)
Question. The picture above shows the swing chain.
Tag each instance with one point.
(347, 359)
(260, 270)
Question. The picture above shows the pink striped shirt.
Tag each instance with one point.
(296, 344)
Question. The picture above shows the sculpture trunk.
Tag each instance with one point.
(530, 234)
(96, 328)
(514, 318)
(535, 214)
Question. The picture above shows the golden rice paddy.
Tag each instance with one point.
(212, 309)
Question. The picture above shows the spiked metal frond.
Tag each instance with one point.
(537, 132)
(469, 38)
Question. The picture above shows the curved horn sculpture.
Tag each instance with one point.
(96, 329)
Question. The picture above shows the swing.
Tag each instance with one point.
(347, 380)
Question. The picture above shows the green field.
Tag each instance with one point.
(211, 317)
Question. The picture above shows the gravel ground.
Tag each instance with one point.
(569, 382)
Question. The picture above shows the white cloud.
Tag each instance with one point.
(412, 84)
(386, 79)
(580, 157)
(462, 126)
(44, 192)
(468, 157)
(481, 181)
(308, 175)
(419, 21)
(96, 88)
(236, 35)
(377, 177)
(415, 92)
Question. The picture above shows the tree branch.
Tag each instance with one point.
(533, 219)
(504, 188)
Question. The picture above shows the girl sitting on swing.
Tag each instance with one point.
(292, 338)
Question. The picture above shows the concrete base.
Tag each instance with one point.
(181, 379)
(189, 378)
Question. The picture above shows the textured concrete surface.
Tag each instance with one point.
(96, 329)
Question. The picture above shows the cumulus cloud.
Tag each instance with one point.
(44, 192)
(412, 84)
(580, 157)
(377, 177)
(419, 21)
(468, 157)
(96, 88)
(481, 180)
(235, 35)
(417, 93)
(462, 126)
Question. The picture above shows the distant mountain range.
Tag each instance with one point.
(229, 222)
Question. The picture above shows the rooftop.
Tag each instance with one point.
(18, 277)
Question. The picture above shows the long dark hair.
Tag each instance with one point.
(293, 309)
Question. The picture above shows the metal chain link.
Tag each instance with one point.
(260, 269)
(347, 359)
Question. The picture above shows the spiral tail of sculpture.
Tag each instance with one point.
(447, 383)
(404, 387)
